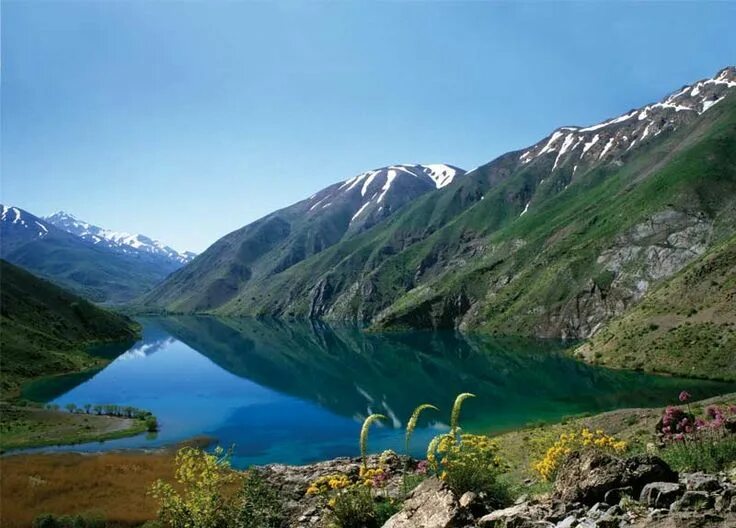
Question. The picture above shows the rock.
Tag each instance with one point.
(568, 522)
(430, 505)
(615, 495)
(588, 475)
(693, 501)
(660, 494)
(701, 482)
(468, 499)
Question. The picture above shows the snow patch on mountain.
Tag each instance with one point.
(119, 240)
(615, 136)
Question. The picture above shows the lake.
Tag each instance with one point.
(295, 392)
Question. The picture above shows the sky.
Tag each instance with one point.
(186, 120)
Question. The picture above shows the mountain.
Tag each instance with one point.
(693, 311)
(96, 272)
(553, 240)
(276, 242)
(140, 246)
(44, 328)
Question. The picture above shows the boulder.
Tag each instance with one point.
(430, 505)
(693, 501)
(661, 494)
(586, 476)
(701, 482)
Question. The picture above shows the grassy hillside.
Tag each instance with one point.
(687, 326)
(44, 328)
(467, 256)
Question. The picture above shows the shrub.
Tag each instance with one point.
(257, 504)
(698, 443)
(202, 503)
(548, 466)
(471, 463)
(85, 520)
(151, 424)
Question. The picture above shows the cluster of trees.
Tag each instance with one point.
(111, 410)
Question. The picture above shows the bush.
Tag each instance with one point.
(202, 503)
(698, 443)
(548, 466)
(257, 505)
(470, 463)
(85, 520)
(151, 424)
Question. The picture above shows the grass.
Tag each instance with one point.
(26, 426)
(635, 426)
(45, 329)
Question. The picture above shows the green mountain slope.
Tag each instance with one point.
(44, 329)
(686, 326)
(553, 240)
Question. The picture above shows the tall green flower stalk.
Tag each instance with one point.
(364, 436)
(455, 417)
(413, 423)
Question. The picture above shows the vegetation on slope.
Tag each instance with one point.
(687, 326)
(45, 329)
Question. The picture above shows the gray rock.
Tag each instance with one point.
(661, 494)
(615, 495)
(587, 476)
(568, 522)
(430, 505)
(693, 501)
(468, 499)
(701, 482)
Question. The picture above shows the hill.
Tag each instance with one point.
(44, 329)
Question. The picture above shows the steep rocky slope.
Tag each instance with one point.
(286, 237)
(552, 240)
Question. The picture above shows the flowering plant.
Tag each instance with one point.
(548, 466)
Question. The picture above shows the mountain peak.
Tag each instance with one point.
(604, 141)
(117, 240)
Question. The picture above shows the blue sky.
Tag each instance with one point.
(186, 120)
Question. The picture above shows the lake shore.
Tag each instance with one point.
(116, 483)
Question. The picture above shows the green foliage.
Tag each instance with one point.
(473, 463)
(709, 455)
(151, 424)
(364, 435)
(85, 520)
(257, 505)
(412, 424)
(44, 329)
(353, 508)
(202, 501)
(455, 417)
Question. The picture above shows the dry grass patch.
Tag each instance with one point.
(114, 484)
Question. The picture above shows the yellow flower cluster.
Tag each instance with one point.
(371, 477)
(471, 452)
(568, 442)
(328, 483)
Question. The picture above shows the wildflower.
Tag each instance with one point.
(684, 396)
(422, 467)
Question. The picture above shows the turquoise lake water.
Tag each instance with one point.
(295, 392)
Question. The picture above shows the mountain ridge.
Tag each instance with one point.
(548, 240)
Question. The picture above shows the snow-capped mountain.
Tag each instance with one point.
(574, 146)
(284, 238)
(119, 241)
(375, 194)
(18, 227)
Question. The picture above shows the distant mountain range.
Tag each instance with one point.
(95, 263)
(552, 240)
(139, 245)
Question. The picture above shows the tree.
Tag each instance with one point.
(87, 407)
(71, 407)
